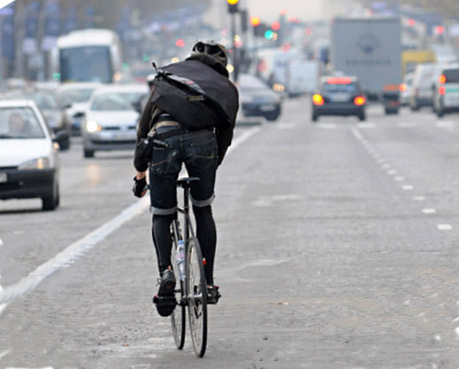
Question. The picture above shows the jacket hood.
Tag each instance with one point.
(211, 62)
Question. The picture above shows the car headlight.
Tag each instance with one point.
(40, 163)
(92, 126)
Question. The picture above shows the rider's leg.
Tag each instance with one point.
(207, 236)
(162, 240)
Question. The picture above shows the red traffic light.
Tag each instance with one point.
(276, 26)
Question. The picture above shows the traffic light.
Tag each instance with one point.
(233, 6)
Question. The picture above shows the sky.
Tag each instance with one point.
(270, 9)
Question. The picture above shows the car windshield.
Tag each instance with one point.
(249, 83)
(115, 102)
(452, 75)
(80, 95)
(45, 101)
(348, 88)
(19, 123)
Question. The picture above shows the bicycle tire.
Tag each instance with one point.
(178, 316)
(196, 296)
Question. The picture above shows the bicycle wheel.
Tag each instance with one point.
(178, 317)
(196, 296)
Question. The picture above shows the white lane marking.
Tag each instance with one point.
(392, 172)
(240, 139)
(45, 367)
(457, 331)
(326, 125)
(429, 211)
(444, 227)
(385, 166)
(408, 188)
(80, 247)
(419, 198)
(444, 124)
(366, 125)
(358, 135)
(286, 126)
(2, 308)
(4, 353)
(72, 252)
(399, 179)
(406, 125)
(1, 242)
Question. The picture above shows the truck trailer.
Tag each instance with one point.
(370, 49)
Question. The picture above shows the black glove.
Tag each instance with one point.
(140, 187)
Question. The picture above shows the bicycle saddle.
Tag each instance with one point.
(186, 182)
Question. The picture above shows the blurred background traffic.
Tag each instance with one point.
(85, 64)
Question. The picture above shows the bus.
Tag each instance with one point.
(90, 55)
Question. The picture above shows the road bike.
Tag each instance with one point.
(191, 288)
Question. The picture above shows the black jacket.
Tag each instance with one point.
(224, 131)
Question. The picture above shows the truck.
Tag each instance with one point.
(370, 49)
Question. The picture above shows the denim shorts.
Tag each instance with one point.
(198, 151)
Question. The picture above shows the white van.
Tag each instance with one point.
(29, 163)
(446, 98)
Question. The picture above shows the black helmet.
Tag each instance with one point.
(213, 49)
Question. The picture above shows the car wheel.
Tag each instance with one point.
(52, 201)
(414, 107)
(315, 117)
(362, 117)
(65, 145)
(272, 116)
(88, 153)
(440, 113)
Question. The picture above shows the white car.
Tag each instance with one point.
(75, 98)
(111, 118)
(29, 163)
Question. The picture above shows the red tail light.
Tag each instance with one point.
(442, 79)
(360, 100)
(442, 90)
(403, 87)
(339, 81)
(317, 99)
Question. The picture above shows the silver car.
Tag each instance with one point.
(111, 119)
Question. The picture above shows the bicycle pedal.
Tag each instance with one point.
(164, 300)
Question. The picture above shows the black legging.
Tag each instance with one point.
(205, 231)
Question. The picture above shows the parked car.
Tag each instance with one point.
(258, 99)
(111, 118)
(446, 90)
(405, 89)
(421, 93)
(48, 102)
(75, 98)
(340, 96)
(29, 163)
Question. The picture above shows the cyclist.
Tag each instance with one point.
(202, 151)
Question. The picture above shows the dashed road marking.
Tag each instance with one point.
(408, 188)
(327, 125)
(1, 242)
(4, 353)
(429, 211)
(392, 172)
(399, 179)
(444, 227)
(419, 198)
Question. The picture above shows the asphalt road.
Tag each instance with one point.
(338, 248)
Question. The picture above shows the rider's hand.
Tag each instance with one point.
(140, 187)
